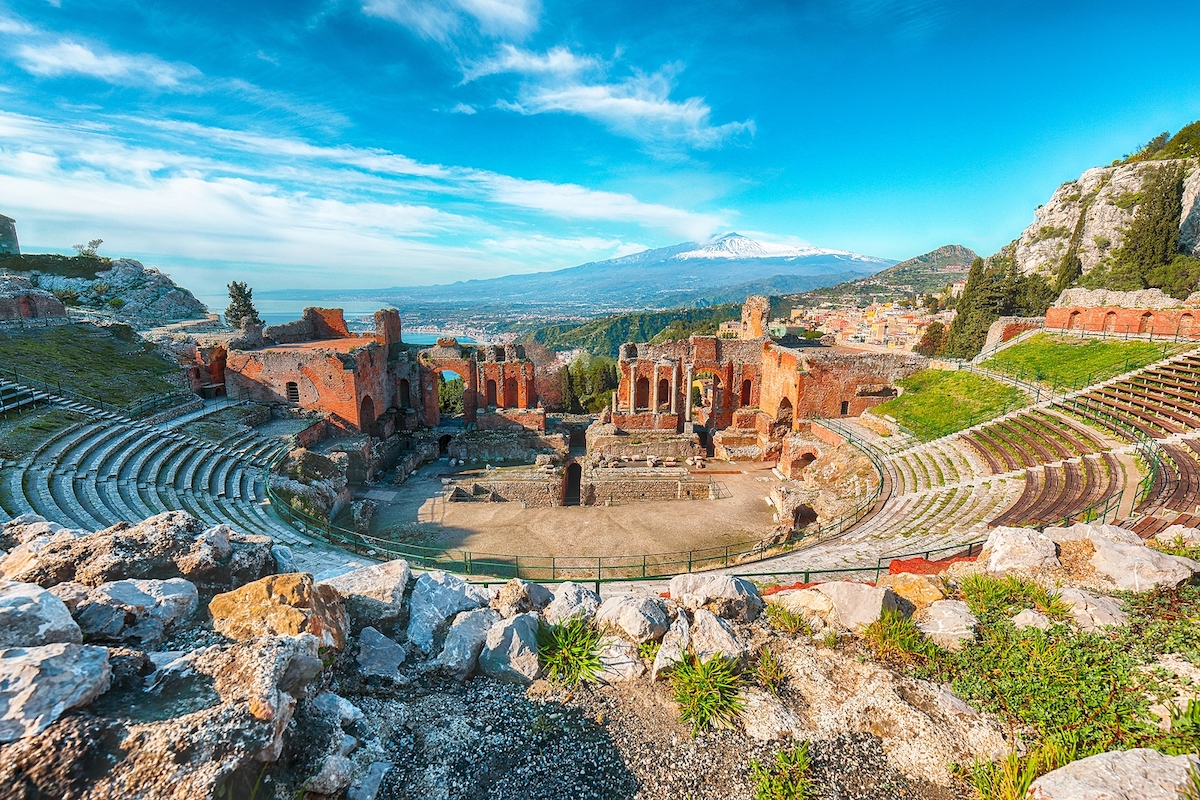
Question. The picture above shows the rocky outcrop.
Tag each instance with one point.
(948, 623)
(1138, 774)
(373, 595)
(141, 611)
(378, 655)
(146, 295)
(1017, 550)
(282, 605)
(437, 599)
(919, 590)
(1094, 212)
(30, 616)
(39, 684)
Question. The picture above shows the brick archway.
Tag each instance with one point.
(367, 417)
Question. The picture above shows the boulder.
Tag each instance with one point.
(571, 600)
(338, 707)
(281, 605)
(1091, 612)
(520, 597)
(136, 610)
(1031, 619)
(367, 787)
(809, 604)
(465, 641)
(947, 623)
(379, 656)
(335, 775)
(510, 650)
(39, 684)
(766, 718)
(619, 660)
(857, 605)
(285, 562)
(1081, 531)
(373, 595)
(438, 598)
(919, 590)
(675, 643)
(30, 616)
(1139, 774)
(1017, 550)
(639, 619)
(1178, 534)
(712, 636)
(170, 545)
(72, 594)
(725, 595)
(1138, 568)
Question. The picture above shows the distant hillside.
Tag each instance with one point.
(923, 274)
(603, 337)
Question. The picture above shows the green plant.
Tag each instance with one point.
(68, 297)
(895, 639)
(569, 651)
(991, 598)
(787, 778)
(786, 621)
(1010, 778)
(116, 302)
(1191, 790)
(829, 640)
(649, 650)
(706, 691)
(769, 671)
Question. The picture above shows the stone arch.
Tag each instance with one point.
(715, 402)
(663, 397)
(572, 483)
(25, 307)
(366, 416)
(1075, 320)
(642, 395)
(747, 392)
(804, 460)
(1110, 322)
(1186, 321)
(490, 397)
(1146, 323)
(804, 516)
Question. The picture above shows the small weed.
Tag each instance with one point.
(649, 650)
(991, 598)
(786, 621)
(830, 639)
(1191, 790)
(707, 692)
(570, 651)
(1178, 547)
(895, 639)
(1011, 778)
(787, 778)
(769, 671)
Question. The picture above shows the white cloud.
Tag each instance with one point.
(442, 20)
(68, 57)
(15, 26)
(638, 106)
(463, 108)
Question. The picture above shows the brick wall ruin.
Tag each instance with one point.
(1172, 322)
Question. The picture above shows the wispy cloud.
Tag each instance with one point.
(638, 106)
(463, 108)
(67, 57)
(442, 20)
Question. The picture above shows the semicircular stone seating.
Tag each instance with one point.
(110, 468)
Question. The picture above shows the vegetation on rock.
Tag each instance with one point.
(785, 779)
(569, 652)
(1184, 144)
(707, 691)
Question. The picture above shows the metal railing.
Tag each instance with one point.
(645, 566)
(139, 409)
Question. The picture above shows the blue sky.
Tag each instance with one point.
(369, 143)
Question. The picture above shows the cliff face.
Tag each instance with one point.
(146, 296)
(1094, 211)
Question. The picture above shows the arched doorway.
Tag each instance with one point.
(804, 516)
(405, 392)
(784, 417)
(1075, 321)
(511, 396)
(1110, 321)
(571, 484)
(490, 393)
(641, 399)
(293, 392)
(366, 416)
(708, 398)
(803, 462)
(664, 393)
(1147, 323)
(1185, 325)
(444, 445)
(747, 390)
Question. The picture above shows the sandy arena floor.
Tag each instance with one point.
(415, 512)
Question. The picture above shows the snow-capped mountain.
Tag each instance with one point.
(734, 245)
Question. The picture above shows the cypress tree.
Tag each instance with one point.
(570, 400)
(241, 305)
(1152, 239)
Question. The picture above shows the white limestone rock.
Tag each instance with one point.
(338, 707)
(31, 616)
(766, 718)
(519, 597)
(1178, 534)
(437, 598)
(136, 610)
(1031, 619)
(510, 650)
(725, 595)
(1091, 531)
(373, 595)
(571, 600)
(807, 603)
(1138, 568)
(1017, 550)
(378, 655)
(619, 660)
(712, 636)
(1139, 774)
(1091, 612)
(857, 605)
(39, 684)
(639, 619)
(947, 623)
(675, 644)
(465, 641)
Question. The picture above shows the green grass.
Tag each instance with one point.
(769, 672)
(20, 435)
(1068, 361)
(570, 651)
(787, 778)
(90, 361)
(939, 402)
(707, 692)
(786, 621)
(54, 264)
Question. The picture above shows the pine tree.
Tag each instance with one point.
(241, 305)
(1152, 239)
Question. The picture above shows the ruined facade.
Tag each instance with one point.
(1172, 322)
(20, 300)
(8, 236)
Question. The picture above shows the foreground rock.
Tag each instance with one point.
(465, 642)
(1139, 774)
(857, 605)
(726, 596)
(436, 600)
(521, 597)
(378, 655)
(713, 636)
(510, 650)
(639, 619)
(1017, 550)
(136, 610)
(571, 600)
(947, 623)
(1090, 612)
(170, 545)
(281, 605)
(373, 595)
(1138, 568)
(919, 590)
(39, 684)
(30, 616)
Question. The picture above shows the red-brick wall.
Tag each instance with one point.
(1164, 322)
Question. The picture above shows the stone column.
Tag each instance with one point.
(674, 387)
(687, 390)
(614, 401)
(654, 390)
(633, 387)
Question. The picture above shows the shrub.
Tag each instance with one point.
(991, 598)
(787, 778)
(769, 671)
(68, 297)
(570, 651)
(707, 692)
(116, 302)
(649, 650)
(1010, 779)
(786, 621)
(895, 639)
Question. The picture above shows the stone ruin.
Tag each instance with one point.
(21, 300)
(8, 236)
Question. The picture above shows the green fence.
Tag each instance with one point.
(577, 568)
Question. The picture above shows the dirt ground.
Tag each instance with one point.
(415, 512)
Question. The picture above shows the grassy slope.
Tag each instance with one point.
(90, 361)
(1069, 361)
(938, 402)
(53, 264)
